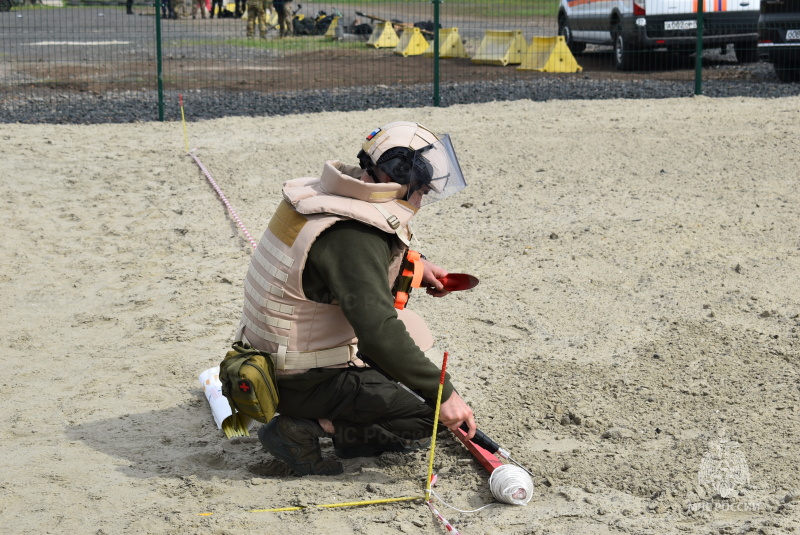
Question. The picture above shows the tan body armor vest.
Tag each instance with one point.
(277, 317)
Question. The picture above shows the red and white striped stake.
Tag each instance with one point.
(183, 122)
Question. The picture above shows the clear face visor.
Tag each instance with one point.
(435, 174)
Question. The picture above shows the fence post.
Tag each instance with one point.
(436, 96)
(159, 66)
(698, 62)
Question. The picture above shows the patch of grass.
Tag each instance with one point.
(295, 44)
(476, 8)
(28, 7)
(486, 10)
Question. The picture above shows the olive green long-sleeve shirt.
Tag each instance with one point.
(348, 263)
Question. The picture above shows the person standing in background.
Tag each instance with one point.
(284, 10)
(218, 5)
(257, 14)
(201, 5)
(168, 9)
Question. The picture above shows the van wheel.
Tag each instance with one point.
(565, 30)
(624, 55)
(746, 52)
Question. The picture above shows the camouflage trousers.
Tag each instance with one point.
(199, 5)
(256, 15)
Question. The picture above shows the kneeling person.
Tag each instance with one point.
(318, 297)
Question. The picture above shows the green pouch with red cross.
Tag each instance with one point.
(248, 381)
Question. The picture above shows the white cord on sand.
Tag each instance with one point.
(433, 493)
(508, 483)
(511, 484)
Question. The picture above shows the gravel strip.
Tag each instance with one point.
(127, 107)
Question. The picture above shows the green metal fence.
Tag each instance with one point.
(56, 50)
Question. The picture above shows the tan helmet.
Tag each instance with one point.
(399, 134)
(411, 154)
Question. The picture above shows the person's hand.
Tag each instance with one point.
(430, 279)
(454, 412)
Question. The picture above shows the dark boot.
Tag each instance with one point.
(295, 441)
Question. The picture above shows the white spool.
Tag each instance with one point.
(511, 484)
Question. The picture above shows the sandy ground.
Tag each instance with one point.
(633, 340)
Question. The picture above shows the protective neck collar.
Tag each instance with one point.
(345, 180)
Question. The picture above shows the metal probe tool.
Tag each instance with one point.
(491, 446)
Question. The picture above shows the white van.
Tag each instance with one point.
(632, 26)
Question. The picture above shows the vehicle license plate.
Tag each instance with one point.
(792, 35)
(680, 25)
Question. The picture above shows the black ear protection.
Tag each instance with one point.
(398, 163)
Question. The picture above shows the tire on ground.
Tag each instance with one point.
(566, 30)
(624, 55)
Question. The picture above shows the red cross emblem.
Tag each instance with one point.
(243, 386)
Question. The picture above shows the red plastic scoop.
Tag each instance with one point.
(454, 282)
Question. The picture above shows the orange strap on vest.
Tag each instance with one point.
(410, 277)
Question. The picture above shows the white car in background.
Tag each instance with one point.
(633, 26)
